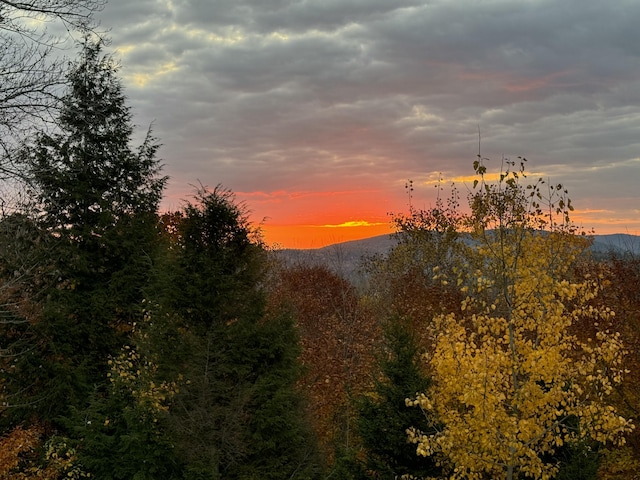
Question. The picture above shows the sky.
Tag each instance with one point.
(316, 113)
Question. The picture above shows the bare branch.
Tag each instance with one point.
(33, 36)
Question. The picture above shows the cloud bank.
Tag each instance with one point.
(313, 107)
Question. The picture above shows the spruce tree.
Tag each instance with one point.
(384, 417)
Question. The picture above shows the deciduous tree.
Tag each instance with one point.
(339, 337)
(618, 275)
(32, 71)
(400, 282)
(512, 385)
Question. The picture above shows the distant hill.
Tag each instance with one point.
(345, 257)
(618, 242)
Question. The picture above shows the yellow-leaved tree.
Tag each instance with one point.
(511, 383)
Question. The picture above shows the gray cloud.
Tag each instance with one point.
(269, 95)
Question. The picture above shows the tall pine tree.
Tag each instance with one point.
(98, 199)
(89, 182)
(237, 414)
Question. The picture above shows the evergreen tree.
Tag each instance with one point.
(98, 199)
(383, 416)
(221, 262)
(92, 187)
(123, 430)
(236, 415)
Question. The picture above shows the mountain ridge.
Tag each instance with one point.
(380, 243)
(346, 257)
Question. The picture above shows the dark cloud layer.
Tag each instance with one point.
(321, 95)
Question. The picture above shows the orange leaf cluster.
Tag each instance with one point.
(338, 336)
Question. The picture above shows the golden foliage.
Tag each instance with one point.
(619, 278)
(619, 464)
(511, 382)
(136, 374)
(20, 452)
(14, 446)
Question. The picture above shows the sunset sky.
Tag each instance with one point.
(317, 112)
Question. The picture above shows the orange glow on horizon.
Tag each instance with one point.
(318, 236)
(605, 222)
(301, 219)
(308, 220)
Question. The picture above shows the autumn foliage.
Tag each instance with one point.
(20, 457)
(338, 337)
(512, 384)
(618, 275)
